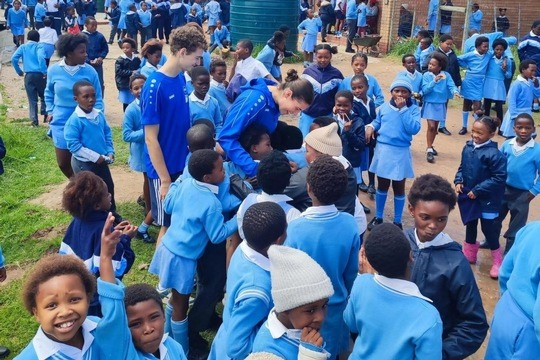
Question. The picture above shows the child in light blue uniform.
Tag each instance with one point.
(39, 14)
(476, 63)
(411, 73)
(359, 63)
(315, 233)
(437, 88)
(221, 37)
(516, 318)
(423, 53)
(17, 22)
(145, 16)
(432, 14)
(499, 69)
(362, 14)
(522, 92)
(249, 298)
(310, 27)
(300, 290)
(192, 227)
(218, 72)
(397, 122)
(201, 104)
(152, 59)
(389, 301)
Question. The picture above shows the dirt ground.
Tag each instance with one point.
(449, 147)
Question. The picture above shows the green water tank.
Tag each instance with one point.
(100, 5)
(257, 20)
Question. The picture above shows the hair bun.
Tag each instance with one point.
(334, 50)
(292, 75)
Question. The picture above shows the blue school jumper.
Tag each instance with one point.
(433, 12)
(208, 108)
(97, 46)
(374, 90)
(362, 15)
(59, 95)
(17, 21)
(415, 79)
(514, 330)
(221, 35)
(476, 65)
(494, 88)
(443, 274)
(98, 342)
(520, 97)
(423, 57)
(39, 14)
(273, 337)
(164, 102)
(132, 23)
(436, 95)
(311, 28)
(33, 57)
(523, 168)
(315, 233)
(254, 105)
(133, 133)
(475, 20)
(178, 15)
(249, 301)
(145, 18)
(219, 92)
(413, 327)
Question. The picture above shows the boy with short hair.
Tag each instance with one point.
(316, 231)
(246, 65)
(248, 287)
(440, 269)
(48, 38)
(39, 14)
(387, 300)
(218, 85)
(165, 117)
(97, 48)
(201, 104)
(114, 17)
(300, 290)
(446, 44)
(35, 73)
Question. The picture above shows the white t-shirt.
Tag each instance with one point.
(251, 68)
(49, 5)
(48, 35)
(338, 3)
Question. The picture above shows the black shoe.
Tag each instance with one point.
(374, 222)
(399, 225)
(35, 124)
(444, 131)
(4, 352)
(145, 237)
(484, 244)
(362, 187)
(463, 131)
(430, 157)
(140, 201)
(366, 209)
(371, 190)
(323, 40)
(349, 50)
(435, 153)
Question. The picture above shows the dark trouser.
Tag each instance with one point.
(211, 278)
(99, 70)
(324, 29)
(114, 32)
(498, 107)
(515, 201)
(351, 24)
(31, 10)
(146, 34)
(490, 228)
(102, 170)
(158, 25)
(39, 25)
(56, 21)
(167, 26)
(34, 83)
(225, 44)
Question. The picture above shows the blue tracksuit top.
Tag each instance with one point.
(59, 90)
(33, 57)
(325, 83)
(374, 90)
(523, 169)
(248, 303)
(395, 126)
(255, 104)
(97, 46)
(95, 134)
(196, 218)
(219, 92)
(145, 17)
(483, 171)
(529, 48)
(415, 79)
(133, 133)
(443, 274)
(39, 12)
(206, 109)
(96, 330)
(413, 326)
(316, 234)
(438, 92)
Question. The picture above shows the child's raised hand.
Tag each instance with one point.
(347, 125)
(439, 77)
(458, 96)
(400, 102)
(312, 336)
(459, 188)
(535, 81)
(471, 195)
(130, 230)
(294, 166)
(109, 238)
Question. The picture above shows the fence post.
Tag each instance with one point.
(466, 25)
(519, 22)
(413, 22)
(495, 19)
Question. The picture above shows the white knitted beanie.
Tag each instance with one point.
(325, 140)
(296, 278)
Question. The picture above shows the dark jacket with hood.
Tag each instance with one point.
(325, 82)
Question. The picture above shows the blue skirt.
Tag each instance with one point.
(434, 111)
(174, 272)
(309, 42)
(494, 89)
(512, 332)
(392, 162)
(472, 87)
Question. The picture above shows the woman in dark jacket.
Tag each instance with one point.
(328, 17)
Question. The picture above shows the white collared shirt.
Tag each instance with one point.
(368, 100)
(255, 257)
(518, 149)
(251, 68)
(400, 286)
(124, 56)
(194, 98)
(277, 329)
(216, 84)
(45, 347)
(213, 188)
(92, 115)
(522, 79)
(323, 209)
(476, 146)
(441, 239)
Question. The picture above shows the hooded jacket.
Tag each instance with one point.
(325, 83)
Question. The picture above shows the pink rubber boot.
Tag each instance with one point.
(497, 257)
(471, 251)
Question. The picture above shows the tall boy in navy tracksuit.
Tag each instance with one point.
(97, 48)
(114, 17)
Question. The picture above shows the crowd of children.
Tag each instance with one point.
(258, 211)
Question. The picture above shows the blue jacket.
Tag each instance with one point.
(33, 57)
(483, 171)
(133, 133)
(254, 105)
(443, 274)
(178, 15)
(97, 46)
(90, 8)
(114, 16)
(325, 83)
(354, 140)
(132, 22)
(529, 49)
